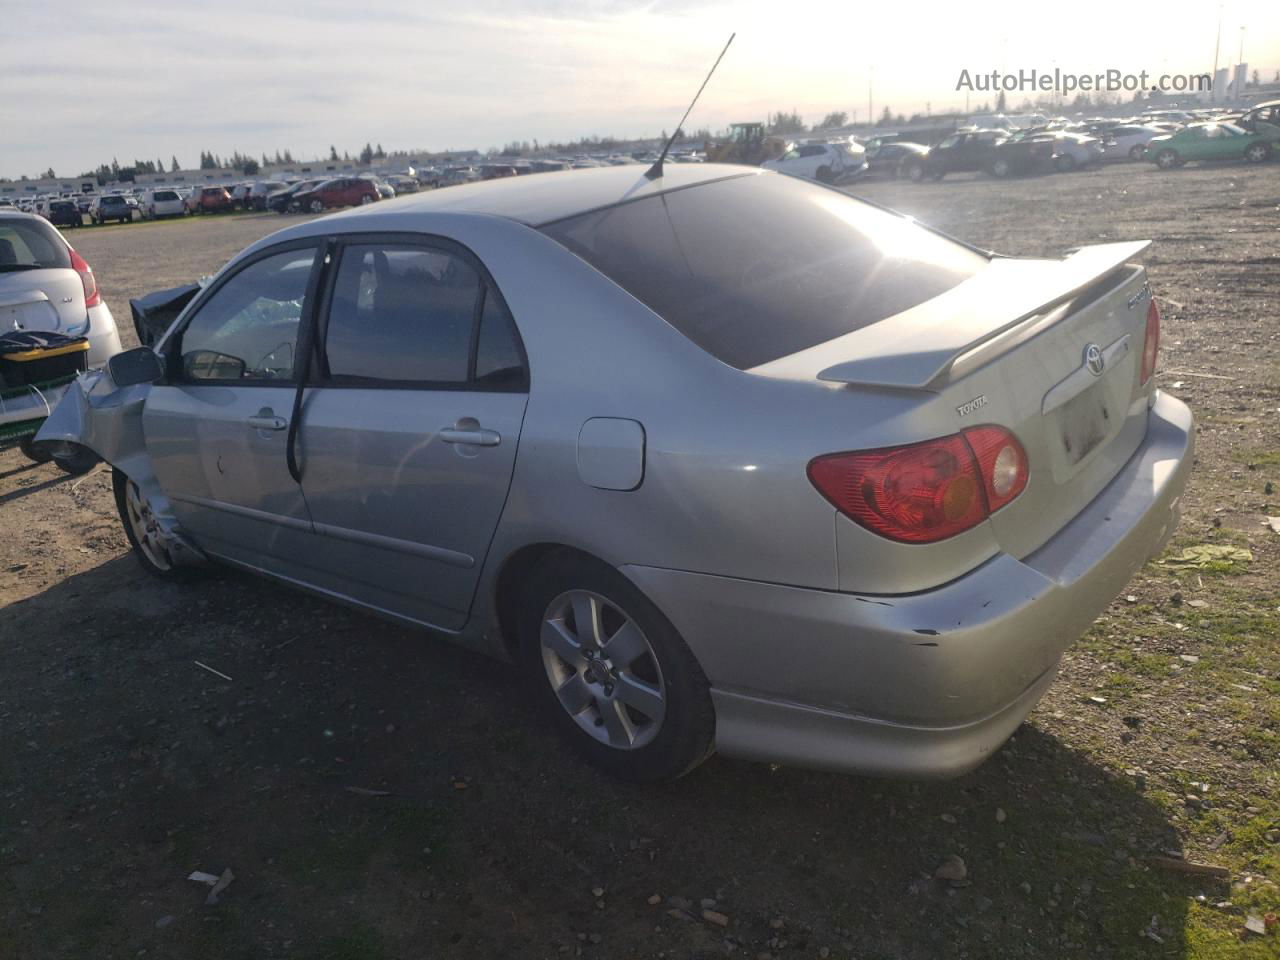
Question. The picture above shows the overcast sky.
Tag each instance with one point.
(87, 81)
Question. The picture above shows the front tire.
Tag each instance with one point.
(915, 171)
(1001, 167)
(139, 527)
(1167, 159)
(824, 175)
(1136, 152)
(613, 674)
(316, 206)
(1065, 163)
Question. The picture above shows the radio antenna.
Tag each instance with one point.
(654, 172)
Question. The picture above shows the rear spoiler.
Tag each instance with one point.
(916, 349)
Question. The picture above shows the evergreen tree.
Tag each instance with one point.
(174, 167)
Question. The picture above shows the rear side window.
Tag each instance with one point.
(29, 244)
(165, 195)
(415, 315)
(402, 314)
(760, 267)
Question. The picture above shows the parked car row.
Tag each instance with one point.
(1167, 139)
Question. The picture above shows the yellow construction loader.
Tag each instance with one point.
(747, 144)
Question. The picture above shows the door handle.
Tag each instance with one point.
(263, 422)
(476, 436)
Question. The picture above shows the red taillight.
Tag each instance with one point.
(926, 491)
(1151, 345)
(91, 296)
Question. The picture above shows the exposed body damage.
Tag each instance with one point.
(107, 419)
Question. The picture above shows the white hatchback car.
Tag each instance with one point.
(162, 202)
(47, 285)
(824, 162)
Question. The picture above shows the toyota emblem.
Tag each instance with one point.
(1094, 360)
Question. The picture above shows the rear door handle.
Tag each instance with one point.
(477, 436)
(262, 422)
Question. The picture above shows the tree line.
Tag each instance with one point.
(243, 163)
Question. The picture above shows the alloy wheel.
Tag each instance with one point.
(603, 670)
(145, 528)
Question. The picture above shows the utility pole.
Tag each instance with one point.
(871, 116)
(1217, 42)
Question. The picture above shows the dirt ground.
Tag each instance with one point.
(126, 766)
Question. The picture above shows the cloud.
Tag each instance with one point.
(149, 78)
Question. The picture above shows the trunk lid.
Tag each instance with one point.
(1013, 347)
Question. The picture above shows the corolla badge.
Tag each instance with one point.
(1141, 295)
(1094, 360)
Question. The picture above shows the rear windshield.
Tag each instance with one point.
(109, 201)
(25, 244)
(760, 267)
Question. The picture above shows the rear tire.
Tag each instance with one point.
(32, 452)
(915, 171)
(1065, 163)
(1136, 152)
(316, 206)
(824, 175)
(1167, 159)
(1257, 152)
(582, 683)
(80, 461)
(1001, 167)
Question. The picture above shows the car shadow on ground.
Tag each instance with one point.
(377, 793)
(26, 491)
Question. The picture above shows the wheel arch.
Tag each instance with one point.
(512, 575)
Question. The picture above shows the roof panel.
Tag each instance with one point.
(539, 198)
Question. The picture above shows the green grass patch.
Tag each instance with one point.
(1259, 457)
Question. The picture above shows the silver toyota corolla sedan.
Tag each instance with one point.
(724, 459)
